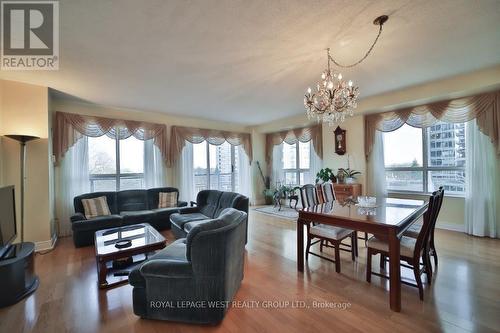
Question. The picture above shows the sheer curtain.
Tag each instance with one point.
(244, 177)
(315, 166)
(184, 174)
(277, 174)
(376, 168)
(72, 180)
(481, 183)
(154, 167)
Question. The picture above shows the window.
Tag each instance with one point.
(296, 163)
(422, 160)
(215, 167)
(115, 164)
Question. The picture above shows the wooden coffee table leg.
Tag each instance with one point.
(102, 272)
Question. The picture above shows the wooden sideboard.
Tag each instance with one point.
(343, 191)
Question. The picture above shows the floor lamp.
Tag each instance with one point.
(22, 140)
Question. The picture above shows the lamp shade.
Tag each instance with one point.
(22, 138)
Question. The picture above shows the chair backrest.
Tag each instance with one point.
(438, 209)
(430, 217)
(328, 192)
(320, 194)
(217, 246)
(308, 196)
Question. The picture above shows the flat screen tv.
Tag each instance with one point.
(7, 216)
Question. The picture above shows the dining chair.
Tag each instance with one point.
(320, 194)
(411, 249)
(326, 233)
(414, 230)
(328, 193)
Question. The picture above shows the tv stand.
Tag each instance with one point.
(17, 274)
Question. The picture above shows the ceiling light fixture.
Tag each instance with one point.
(334, 98)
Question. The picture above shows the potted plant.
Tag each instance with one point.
(268, 195)
(325, 175)
(349, 174)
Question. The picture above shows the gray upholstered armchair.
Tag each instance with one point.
(195, 278)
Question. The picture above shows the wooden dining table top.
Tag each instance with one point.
(388, 213)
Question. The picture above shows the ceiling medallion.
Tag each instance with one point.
(334, 98)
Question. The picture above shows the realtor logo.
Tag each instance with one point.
(29, 35)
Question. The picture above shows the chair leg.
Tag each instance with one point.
(428, 267)
(321, 246)
(357, 248)
(369, 266)
(353, 246)
(433, 249)
(382, 261)
(337, 257)
(416, 272)
(308, 247)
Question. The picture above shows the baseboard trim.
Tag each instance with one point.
(46, 245)
(450, 227)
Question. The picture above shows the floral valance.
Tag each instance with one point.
(304, 134)
(69, 128)
(485, 108)
(180, 135)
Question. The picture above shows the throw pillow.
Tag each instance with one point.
(95, 207)
(167, 200)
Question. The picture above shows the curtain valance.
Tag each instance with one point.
(69, 128)
(483, 107)
(304, 134)
(180, 135)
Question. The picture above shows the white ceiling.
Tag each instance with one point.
(250, 61)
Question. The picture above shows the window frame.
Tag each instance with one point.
(208, 174)
(297, 170)
(425, 169)
(117, 176)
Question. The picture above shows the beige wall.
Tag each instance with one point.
(24, 110)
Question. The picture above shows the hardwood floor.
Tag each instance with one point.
(464, 295)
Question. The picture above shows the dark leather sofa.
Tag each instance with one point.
(194, 279)
(127, 208)
(209, 205)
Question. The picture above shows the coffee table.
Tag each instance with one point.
(114, 264)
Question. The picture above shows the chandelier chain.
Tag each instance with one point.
(364, 57)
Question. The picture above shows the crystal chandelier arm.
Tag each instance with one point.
(380, 21)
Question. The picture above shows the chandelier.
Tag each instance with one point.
(334, 98)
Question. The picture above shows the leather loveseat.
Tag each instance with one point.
(194, 279)
(209, 205)
(127, 208)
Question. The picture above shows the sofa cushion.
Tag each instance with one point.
(208, 202)
(95, 207)
(132, 200)
(153, 195)
(98, 223)
(181, 219)
(190, 225)
(110, 199)
(135, 217)
(161, 219)
(167, 200)
(226, 201)
(174, 251)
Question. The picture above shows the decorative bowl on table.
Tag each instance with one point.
(367, 202)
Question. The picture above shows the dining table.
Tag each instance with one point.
(388, 219)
